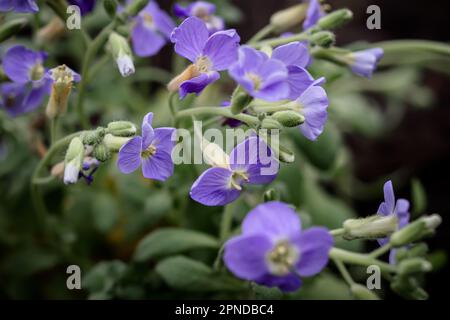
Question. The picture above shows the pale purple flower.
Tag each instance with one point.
(86, 6)
(151, 30)
(261, 76)
(313, 14)
(209, 54)
(20, 6)
(364, 62)
(399, 208)
(153, 150)
(250, 162)
(18, 98)
(274, 251)
(203, 10)
(23, 65)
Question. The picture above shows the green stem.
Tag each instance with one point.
(91, 51)
(53, 129)
(337, 232)
(359, 259)
(219, 111)
(273, 42)
(413, 45)
(261, 34)
(227, 221)
(344, 272)
(380, 251)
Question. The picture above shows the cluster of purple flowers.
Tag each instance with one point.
(30, 6)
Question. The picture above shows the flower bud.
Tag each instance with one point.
(10, 28)
(271, 195)
(94, 137)
(416, 230)
(323, 38)
(240, 100)
(408, 287)
(114, 143)
(335, 19)
(122, 54)
(289, 118)
(122, 128)
(418, 250)
(288, 18)
(63, 78)
(269, 123)
(110, 7)
(101, 152)
(413, 265)
(372, 227)
(73, 161)
(362, 293)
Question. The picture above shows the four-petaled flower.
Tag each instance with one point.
(208, 54)
(21, 6)
(399, 208)
(261, 76)
(364, 62)
(203, 10)
(151, 30)
(250, 162)
(273, 250)
(153, 149)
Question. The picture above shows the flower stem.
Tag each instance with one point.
(413, 45)
(227, 221)
(261, 34)
(273, 42)
(344, 272)
(53, 129)
(381, 250)
(337, 232)
(220, 111)
(359, 259)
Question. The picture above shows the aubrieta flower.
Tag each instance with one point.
(261, 76)
(153, 150)
(203, 10)
(313, 14)
(85, 6)
(399, 208)
(250, 162)
(151, 30)
(20, 6)
(364, 62)
(208, 54)
(274, 251)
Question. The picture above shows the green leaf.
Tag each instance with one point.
(101, 279)
(419, 197)
(186, 274)
(169, 241)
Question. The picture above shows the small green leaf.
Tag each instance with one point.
(169, 241)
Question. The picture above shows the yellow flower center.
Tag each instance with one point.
(282, 258)
(255, 79)
(203, 64)
(37, 72)
(149, 152)
(237, 178)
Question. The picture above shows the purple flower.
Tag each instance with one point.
(295, 56)
(209, 54)
(23, 65)
(250, 162)
(86, 6)
(21, 6)
(261, 76)
(399, 208)
(272, 249)
(313, 14)
(153, 149)
(364, 63)
(151, 30)
(18, 98)
(202, 10)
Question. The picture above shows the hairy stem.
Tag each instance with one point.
(219, 111)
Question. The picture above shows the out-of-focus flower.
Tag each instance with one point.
(223, 183)
(261, 76)
(86, 6)
(399, 208)
(20, 6)
(13, 98)
(121, 53)
(203, 10)
(364, 63)
(313, 14)
(153, 150)
(151, 30)
(273, 250)
(208, 54)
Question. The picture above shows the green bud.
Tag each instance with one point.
(372, 227)
(422, 227)
(285, 155)
(11, 28)
(323, 38)
(271, 195)
(239, 100)
(269, 123)
(288, 18)
(94, 137)
(335, 19)
(122, 128)
(413, 265)
(419, 250)
(362, 293)
(114, 143)
(101, 152)
(122, 53)
(408, 287)
(73, 160)
(136, 6)
(110, 7)
(289, 118)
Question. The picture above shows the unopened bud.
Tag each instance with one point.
(323, 38)
(101, 152)
(413, 265)
(408, 287)
(122, 54)
(240, 100)
(63, 78)
(110, 7)
(11, 28)
(362, 293)
(270, 124)
(421, 228)
(335, 19)
(114, 143)
(94, 137)
(289, 118)
(73, 161)
(372, 227)
(122, 128)
(288, 18)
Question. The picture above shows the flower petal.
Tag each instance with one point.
(146, 41)
(275, 219)
(292, 54)
(19, 61)
(213, 188)
(222, 50)
(158, 167)
(245, 256)
(402, 212)
(190, 38)
(389, 197)
(129, 157)
(162, 139)
(314, 245)
(162, 20)
(315, 103)
(12, 96)
(299, 80)
(197, 84)
(286, 283)
(147, 131)
(313, 14)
